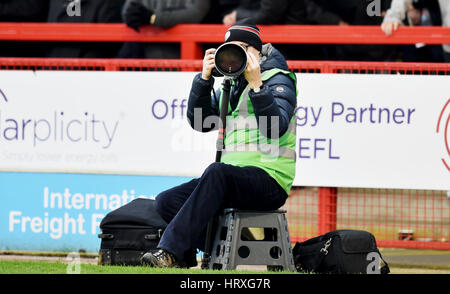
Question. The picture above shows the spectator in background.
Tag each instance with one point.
(423, 13)
(22, 11)
(281, 12)
(398, 12)
(92, 11)
(218, 9)
(355, 12)
(294, 12)
(164, 14)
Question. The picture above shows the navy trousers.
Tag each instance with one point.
(187, 208)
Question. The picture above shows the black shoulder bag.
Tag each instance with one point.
(340, 252)
(129, 232)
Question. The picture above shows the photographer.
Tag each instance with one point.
(262, 100)
(399, 11)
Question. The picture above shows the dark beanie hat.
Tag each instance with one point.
(245, 32)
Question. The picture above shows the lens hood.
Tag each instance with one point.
(230, 59)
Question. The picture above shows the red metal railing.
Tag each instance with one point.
(86, 64)
(190, 36)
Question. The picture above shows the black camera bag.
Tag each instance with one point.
(340, 252)
(130, 231)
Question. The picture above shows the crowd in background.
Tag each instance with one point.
(167, 13)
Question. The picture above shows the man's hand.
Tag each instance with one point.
(253, 71)
(389, 27)
(137, 15)
(208, 64)
(230, 19)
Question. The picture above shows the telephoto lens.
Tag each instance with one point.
(230, 59)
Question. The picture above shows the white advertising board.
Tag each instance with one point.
(386, 131)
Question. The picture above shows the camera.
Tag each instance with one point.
(230, 59)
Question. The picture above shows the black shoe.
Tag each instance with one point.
(190, 258)
(159, 258)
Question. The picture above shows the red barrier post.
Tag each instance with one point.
(191, 50)
(327, 210)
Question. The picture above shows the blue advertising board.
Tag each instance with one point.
(62, 212)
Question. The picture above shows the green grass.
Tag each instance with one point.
(46, 267)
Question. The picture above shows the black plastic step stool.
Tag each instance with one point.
(235, 242)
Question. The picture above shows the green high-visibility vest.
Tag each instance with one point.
(245, 145)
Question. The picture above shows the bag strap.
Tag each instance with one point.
(320, 250)
(385, 269)
(106, 236)
(154, 237)
(323, 252)
(327, 244)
